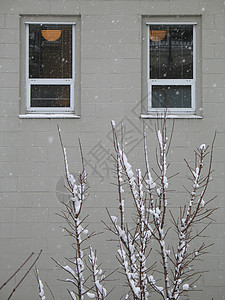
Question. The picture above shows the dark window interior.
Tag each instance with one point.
(171, 52)
(50, 51)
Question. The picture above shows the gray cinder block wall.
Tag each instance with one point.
(31, 178)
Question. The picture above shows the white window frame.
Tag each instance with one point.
(47, 81)
(167, 82)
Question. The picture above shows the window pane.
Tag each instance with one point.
(171, 51)
(50, 51)
(171, 96)
(50, 96)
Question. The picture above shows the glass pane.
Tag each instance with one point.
(50, 96)
(171, 51)
(50, 51)
(171, 96)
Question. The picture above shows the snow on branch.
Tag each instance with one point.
(98, 277)
(80, 273)
(40, 284)
(151, 223)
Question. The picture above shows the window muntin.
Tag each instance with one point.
(50, 67)
(171, 67)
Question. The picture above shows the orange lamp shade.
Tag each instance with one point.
(51, 35)
(157, 35)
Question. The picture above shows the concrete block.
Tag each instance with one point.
(54, 154)
(219, 80)
(89, 109)
(94, 7)
(9, 95)
(5, 215)
(2, 21)
(124, 37)
(125, 66)
(221, 293)
(9, 80)
(33, 125)
(208, 21)
(208, 7)
(8, 184)
(65, 7)
(10, 110)
(59, 246)
(213, 36)
(33, 184)
(155, 8)
(20, 245)
(124, 7)
(21, 139)
(9, 36)
(95, 95)
(126, 95)
(44, 230)
(32, 199)
(17, 169)
(208, 51)
(98, 36)
(132, 80)
(11, 21)
(8, 154)
(95, 66)
(102, 80)
(178, 7)
(46, 139)
(95, 51)
(213, 66)
(220, 51)
(52, 169)
(217, 94)
(220, 22)
(10, 50)
(208, 80)
(222, 263)
(87, 22)
(30, 154)
(12, 7)
(32, 215)
(9, 65)
(215, 278)
(15, 230)
(6, 246)
(1, 138)
(9, 124)
(125, 51)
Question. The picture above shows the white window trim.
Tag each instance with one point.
(191, 82)
(57, 81)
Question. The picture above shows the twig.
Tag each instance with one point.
(17, 270)
(25, 275)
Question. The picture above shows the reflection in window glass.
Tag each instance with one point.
(50, 51)
(50, 95)
(171, 96)
(171, 51)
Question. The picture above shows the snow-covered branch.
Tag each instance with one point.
(41, 287)
(77, 231)
(150, 201)
(98, 277)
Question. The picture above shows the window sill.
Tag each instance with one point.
(170, 116)
(49, 116)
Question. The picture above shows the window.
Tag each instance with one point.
(172, 66)
(50, 67)
(50, 60)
